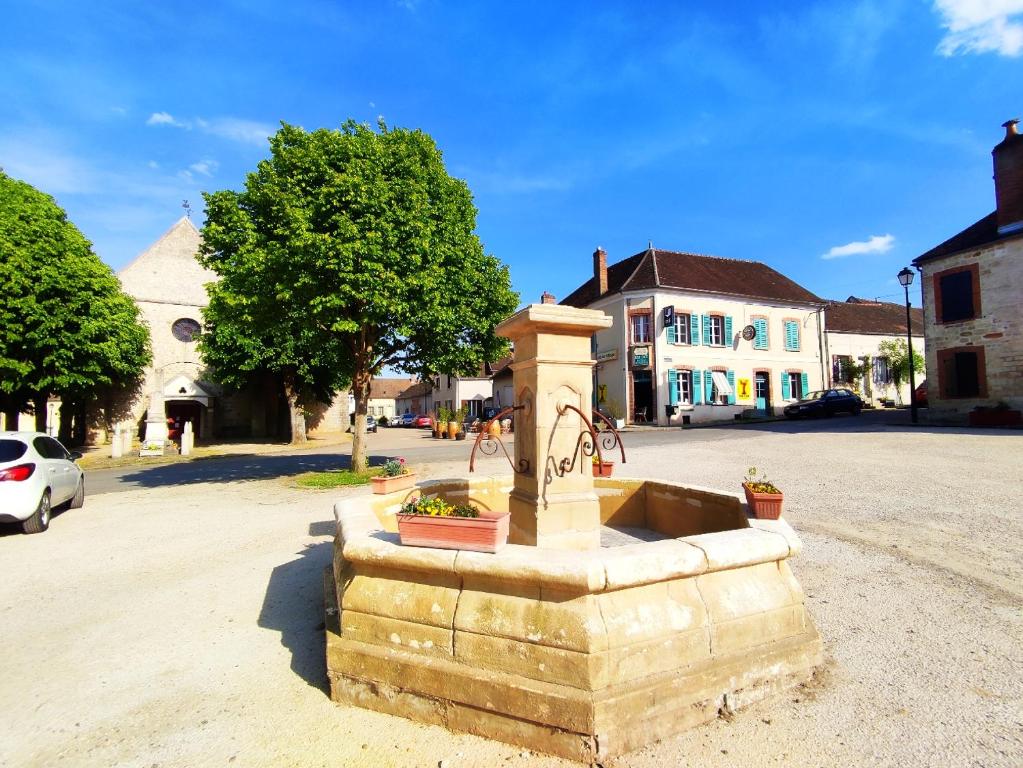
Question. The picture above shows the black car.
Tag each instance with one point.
(826, 402)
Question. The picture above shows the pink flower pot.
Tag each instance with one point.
(486, 533)
(384, 484)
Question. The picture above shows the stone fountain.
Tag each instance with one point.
(556, 643)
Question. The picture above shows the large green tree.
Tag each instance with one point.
(349, 251)
(66, 327)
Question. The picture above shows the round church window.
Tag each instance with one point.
(185, 329)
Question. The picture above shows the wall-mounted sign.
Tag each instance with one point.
(602, 393)
(749, 333)
(743, 390)
(669, 317)
(607, 354)
(641, 357)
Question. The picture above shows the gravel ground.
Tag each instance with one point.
(181, 627)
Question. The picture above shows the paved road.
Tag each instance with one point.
(419, 447)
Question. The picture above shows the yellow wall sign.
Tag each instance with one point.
(743, 389)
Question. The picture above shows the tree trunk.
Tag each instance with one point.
(11, 419)
(80, 434)
(67, 409)
(360, 391)
(39, 406)
(297, 415)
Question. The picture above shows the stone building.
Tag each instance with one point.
(169, 285)
(700, 338)
(972, 287)
(853, 331)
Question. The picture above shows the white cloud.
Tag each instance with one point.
(153, 164)
(876, 244)
(165, 118)
(230, 128)
(981, 26)
(204, 167)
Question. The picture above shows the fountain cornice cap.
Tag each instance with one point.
(553, 318)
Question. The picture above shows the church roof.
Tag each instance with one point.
(167, 272)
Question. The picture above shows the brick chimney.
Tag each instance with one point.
(1008, 160)
(600, 270)
(548, 298)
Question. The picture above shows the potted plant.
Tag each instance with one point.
(602, 468)
(616, 413)
(455, 422)
(435, 425)
(442, 422)
(397, 476)
(762, 496)
(433, 522)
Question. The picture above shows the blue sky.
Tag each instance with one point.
(782, 132)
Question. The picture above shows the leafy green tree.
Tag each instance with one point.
(896, 352)
(66, 327)
(349, 251)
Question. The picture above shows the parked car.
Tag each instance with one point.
(826, 402)
(407, 419)
(921, 394)
(37, 473)
(423, 421)
(371, 424)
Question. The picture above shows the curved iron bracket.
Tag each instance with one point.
(488, 445)
(609, 437)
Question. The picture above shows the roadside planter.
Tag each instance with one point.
(602, 468)
(397, 477)
(763, 497)
(435, 523)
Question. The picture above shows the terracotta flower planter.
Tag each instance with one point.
(452, 429)
(765, 506)
(603, 468)
(486, 533)
(385, 484)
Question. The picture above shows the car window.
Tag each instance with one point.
(43, 448)
(12, 450)
(58, 450)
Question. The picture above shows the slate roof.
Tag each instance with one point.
(981, 233)
(876, 317)
(388, 389)
(654, 268)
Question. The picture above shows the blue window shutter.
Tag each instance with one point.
(694, 329)
(761, 338)
(708, 385)
(791, 336)
(706, 330)
(673, 386)
(728, 330)
(805, 381)
(672, 336)
(697, 388)
(786, 393)
(730, 375)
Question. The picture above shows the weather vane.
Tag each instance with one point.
(187, 207)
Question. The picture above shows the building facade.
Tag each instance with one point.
(853, 332)
(700, 338)
(972, 286)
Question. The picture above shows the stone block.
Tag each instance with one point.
(757, 629)
(655, 561)
(538, 662)
(731, 549)
(415, 596)
(413, 637)
(621, 502)
(524, 733)
(389, 699)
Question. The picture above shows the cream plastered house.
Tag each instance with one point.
(853, 331)
(972, 287)
(701, 338)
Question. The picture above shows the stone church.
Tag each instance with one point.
(168, 283)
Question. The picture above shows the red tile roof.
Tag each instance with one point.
(654, 268)
(876, 317)
(388, 389)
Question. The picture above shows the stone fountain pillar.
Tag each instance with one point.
(552, 506)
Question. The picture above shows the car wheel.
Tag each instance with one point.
(40, 519)
(78, 500)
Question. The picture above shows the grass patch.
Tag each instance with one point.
(336, 478)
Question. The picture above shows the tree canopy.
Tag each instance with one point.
(66, 327)
(349, 251)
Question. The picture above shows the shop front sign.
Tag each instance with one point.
(641, 357)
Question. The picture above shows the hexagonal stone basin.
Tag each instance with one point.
(583, 654)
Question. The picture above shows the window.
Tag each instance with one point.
(840, 365)
(962, 372)
(717, 330)
(791, 335)
(722, 391)
(760, 341)
(185, 329)
(681, 331)
(640, 329)
(794, 385)
(882, 373)
(680, 387)
(957, 294)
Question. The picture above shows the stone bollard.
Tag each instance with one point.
(186, 439)
(127, 435)
(116, 443)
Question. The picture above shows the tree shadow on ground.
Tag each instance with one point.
(293, 605)
(236, 468)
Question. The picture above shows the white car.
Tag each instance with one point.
(36, 474)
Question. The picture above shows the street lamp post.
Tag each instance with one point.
(906, 278)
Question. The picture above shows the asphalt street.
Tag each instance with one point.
(418, 447)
